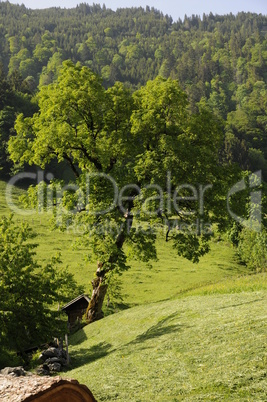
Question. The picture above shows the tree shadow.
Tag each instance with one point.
(78, 337)
(232, 267)
(163, 327)
(85, 356)
(114, 308)
(239, 304)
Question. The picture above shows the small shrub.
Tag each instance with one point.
(252, 249)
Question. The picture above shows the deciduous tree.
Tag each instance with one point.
(148, 146)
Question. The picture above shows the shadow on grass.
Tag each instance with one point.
(78, 337)
(84, 356)
(240, 304)
(237, 266)
(163, 327)
(116, 307)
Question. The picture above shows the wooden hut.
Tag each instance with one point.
(34, 388)
(76, 308)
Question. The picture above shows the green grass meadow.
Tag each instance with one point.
(201, 348)
(183, 331)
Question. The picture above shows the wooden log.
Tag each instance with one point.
(42, 389)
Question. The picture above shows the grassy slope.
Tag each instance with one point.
(199, 348)
(206, 347)
(169, 276)
(172, 275)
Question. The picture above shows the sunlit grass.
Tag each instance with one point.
(246, 283)
(200, 348)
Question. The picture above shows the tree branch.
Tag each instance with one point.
(73, 167)
(90, 158)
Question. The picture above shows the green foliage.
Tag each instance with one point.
(252, 249)
(12, 103)
(176, 143)
(28, 291)
(51, 70)
(9, 358)
(234, 232)
(248, 124)
(35, 359)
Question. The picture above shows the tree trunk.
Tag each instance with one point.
(94, 311)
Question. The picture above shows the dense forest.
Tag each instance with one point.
(219, 61)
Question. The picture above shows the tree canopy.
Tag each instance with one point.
(137, 157)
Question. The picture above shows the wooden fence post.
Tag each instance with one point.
(67, 349)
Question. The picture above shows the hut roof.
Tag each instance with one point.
(43, 389)
(72, 302)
